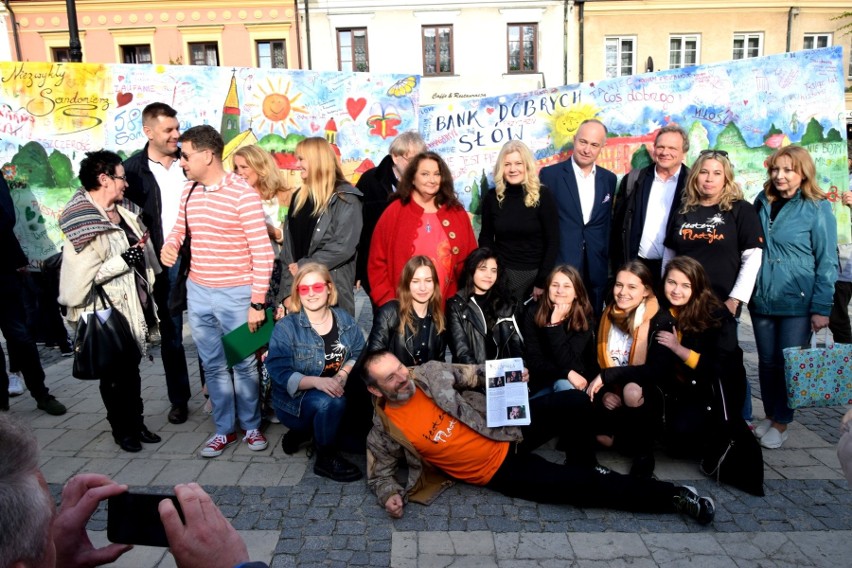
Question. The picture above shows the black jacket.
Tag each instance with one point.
(385, 335)
(377, 185)
(629, 212)
(13, 256)
(144, 191)
(551, 352)
(467, 331)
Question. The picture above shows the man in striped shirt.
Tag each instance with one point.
(229, 274)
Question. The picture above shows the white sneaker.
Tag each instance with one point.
(773, 439)
(16, 384)
(761, 428)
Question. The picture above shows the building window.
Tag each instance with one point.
(352, 52)
(272, 54)
(522, 42)
(437, 50)
(136, 53)
(620, 56)
(816, 41)
(203, 53)
(683, 51)
(748, 45)
(61, 54)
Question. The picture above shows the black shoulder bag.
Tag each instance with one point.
(104, 348)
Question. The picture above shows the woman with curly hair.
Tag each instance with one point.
(519, 222)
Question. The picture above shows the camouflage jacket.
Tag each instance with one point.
(450, 387)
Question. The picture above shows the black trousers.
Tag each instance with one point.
(13, 324)
(838, 321)
(122, 396)
(566, 415)
(171, 332)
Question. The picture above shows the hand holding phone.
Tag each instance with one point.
(134, 518)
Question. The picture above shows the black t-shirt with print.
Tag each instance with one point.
(716, 239)
(335, 352)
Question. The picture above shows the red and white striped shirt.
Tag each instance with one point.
(230, 245)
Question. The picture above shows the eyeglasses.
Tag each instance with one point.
(184, 156)
(713, 153)
(122, 178)
(305, 288)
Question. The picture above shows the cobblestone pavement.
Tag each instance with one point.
(290, 517)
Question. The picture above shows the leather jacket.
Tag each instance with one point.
(385, 335)
(467, 333)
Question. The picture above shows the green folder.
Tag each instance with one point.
(241, 343)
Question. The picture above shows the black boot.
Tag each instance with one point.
(293, 440)
(332, 465)
(127, 443)
(148, 437)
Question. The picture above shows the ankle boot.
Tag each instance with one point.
(332, 465)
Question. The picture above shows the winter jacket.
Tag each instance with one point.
(386, 444)
(385, 335)
(467, 333)
(334, 243)
(800, 262)
(296, 351)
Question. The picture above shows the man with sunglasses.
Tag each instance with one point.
(228, 279)
(644, 203)
(155, 182)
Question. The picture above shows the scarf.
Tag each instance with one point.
(81, 220)
(641, 323)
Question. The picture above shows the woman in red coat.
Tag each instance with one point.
(426, 218)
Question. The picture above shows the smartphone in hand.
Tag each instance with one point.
(134, 518)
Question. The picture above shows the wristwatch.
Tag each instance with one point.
(257, 306)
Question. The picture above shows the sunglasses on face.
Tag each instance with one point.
(304, 289)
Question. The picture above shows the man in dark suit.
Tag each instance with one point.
(584, 193)
(645, 201)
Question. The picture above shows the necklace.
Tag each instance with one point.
(325, 319)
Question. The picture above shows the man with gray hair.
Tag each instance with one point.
(377, 185)
(645, 200)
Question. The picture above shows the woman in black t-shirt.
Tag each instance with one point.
(719, 229)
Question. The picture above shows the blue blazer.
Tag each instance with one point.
(583, 246)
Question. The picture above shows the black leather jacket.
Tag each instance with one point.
(385, 335)
(467, 332)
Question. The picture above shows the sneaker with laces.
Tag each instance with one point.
(761, 428)
(688, 502)
(16, 385)
(217, 444)
(256, 440)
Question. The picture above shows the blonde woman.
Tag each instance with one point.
(520, 222)
(324, 221)
(258, 168)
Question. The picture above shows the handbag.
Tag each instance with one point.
(177, 295)
(819, 376)
(104, 343)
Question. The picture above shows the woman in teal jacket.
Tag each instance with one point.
(795, 285)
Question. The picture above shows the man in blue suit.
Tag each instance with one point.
(584, 195)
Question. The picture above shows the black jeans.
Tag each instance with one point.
(13, 324)
(122, 396)
(566, 415)
(171, 333)
(838, 321)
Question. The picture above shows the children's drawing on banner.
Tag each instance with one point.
(749, 108)
(51, 114)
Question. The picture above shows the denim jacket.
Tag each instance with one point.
(296, 351)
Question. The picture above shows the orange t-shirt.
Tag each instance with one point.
(447, 443)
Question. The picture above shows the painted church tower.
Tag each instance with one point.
(231, 112)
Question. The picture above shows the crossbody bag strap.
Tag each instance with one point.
(185, 204)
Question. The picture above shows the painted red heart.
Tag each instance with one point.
(591, 84)
(120, 78)
(314, 127)
(745, 101)
(123, 99)
(355, 106)
(489, 110)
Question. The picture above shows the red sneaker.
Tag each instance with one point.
(217, 444)
(256, 440)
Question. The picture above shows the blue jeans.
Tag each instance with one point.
(558, 385)
(319, 413)
(772, 334)
(214, 312)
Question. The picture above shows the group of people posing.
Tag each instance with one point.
(623, 303)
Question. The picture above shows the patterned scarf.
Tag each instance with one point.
(640, 324)
(82, 221)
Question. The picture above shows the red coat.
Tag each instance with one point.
(393, 245)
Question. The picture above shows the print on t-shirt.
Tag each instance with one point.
(437, 434)
(707, 231)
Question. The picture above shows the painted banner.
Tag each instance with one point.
(749, 108)
(51, 114)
